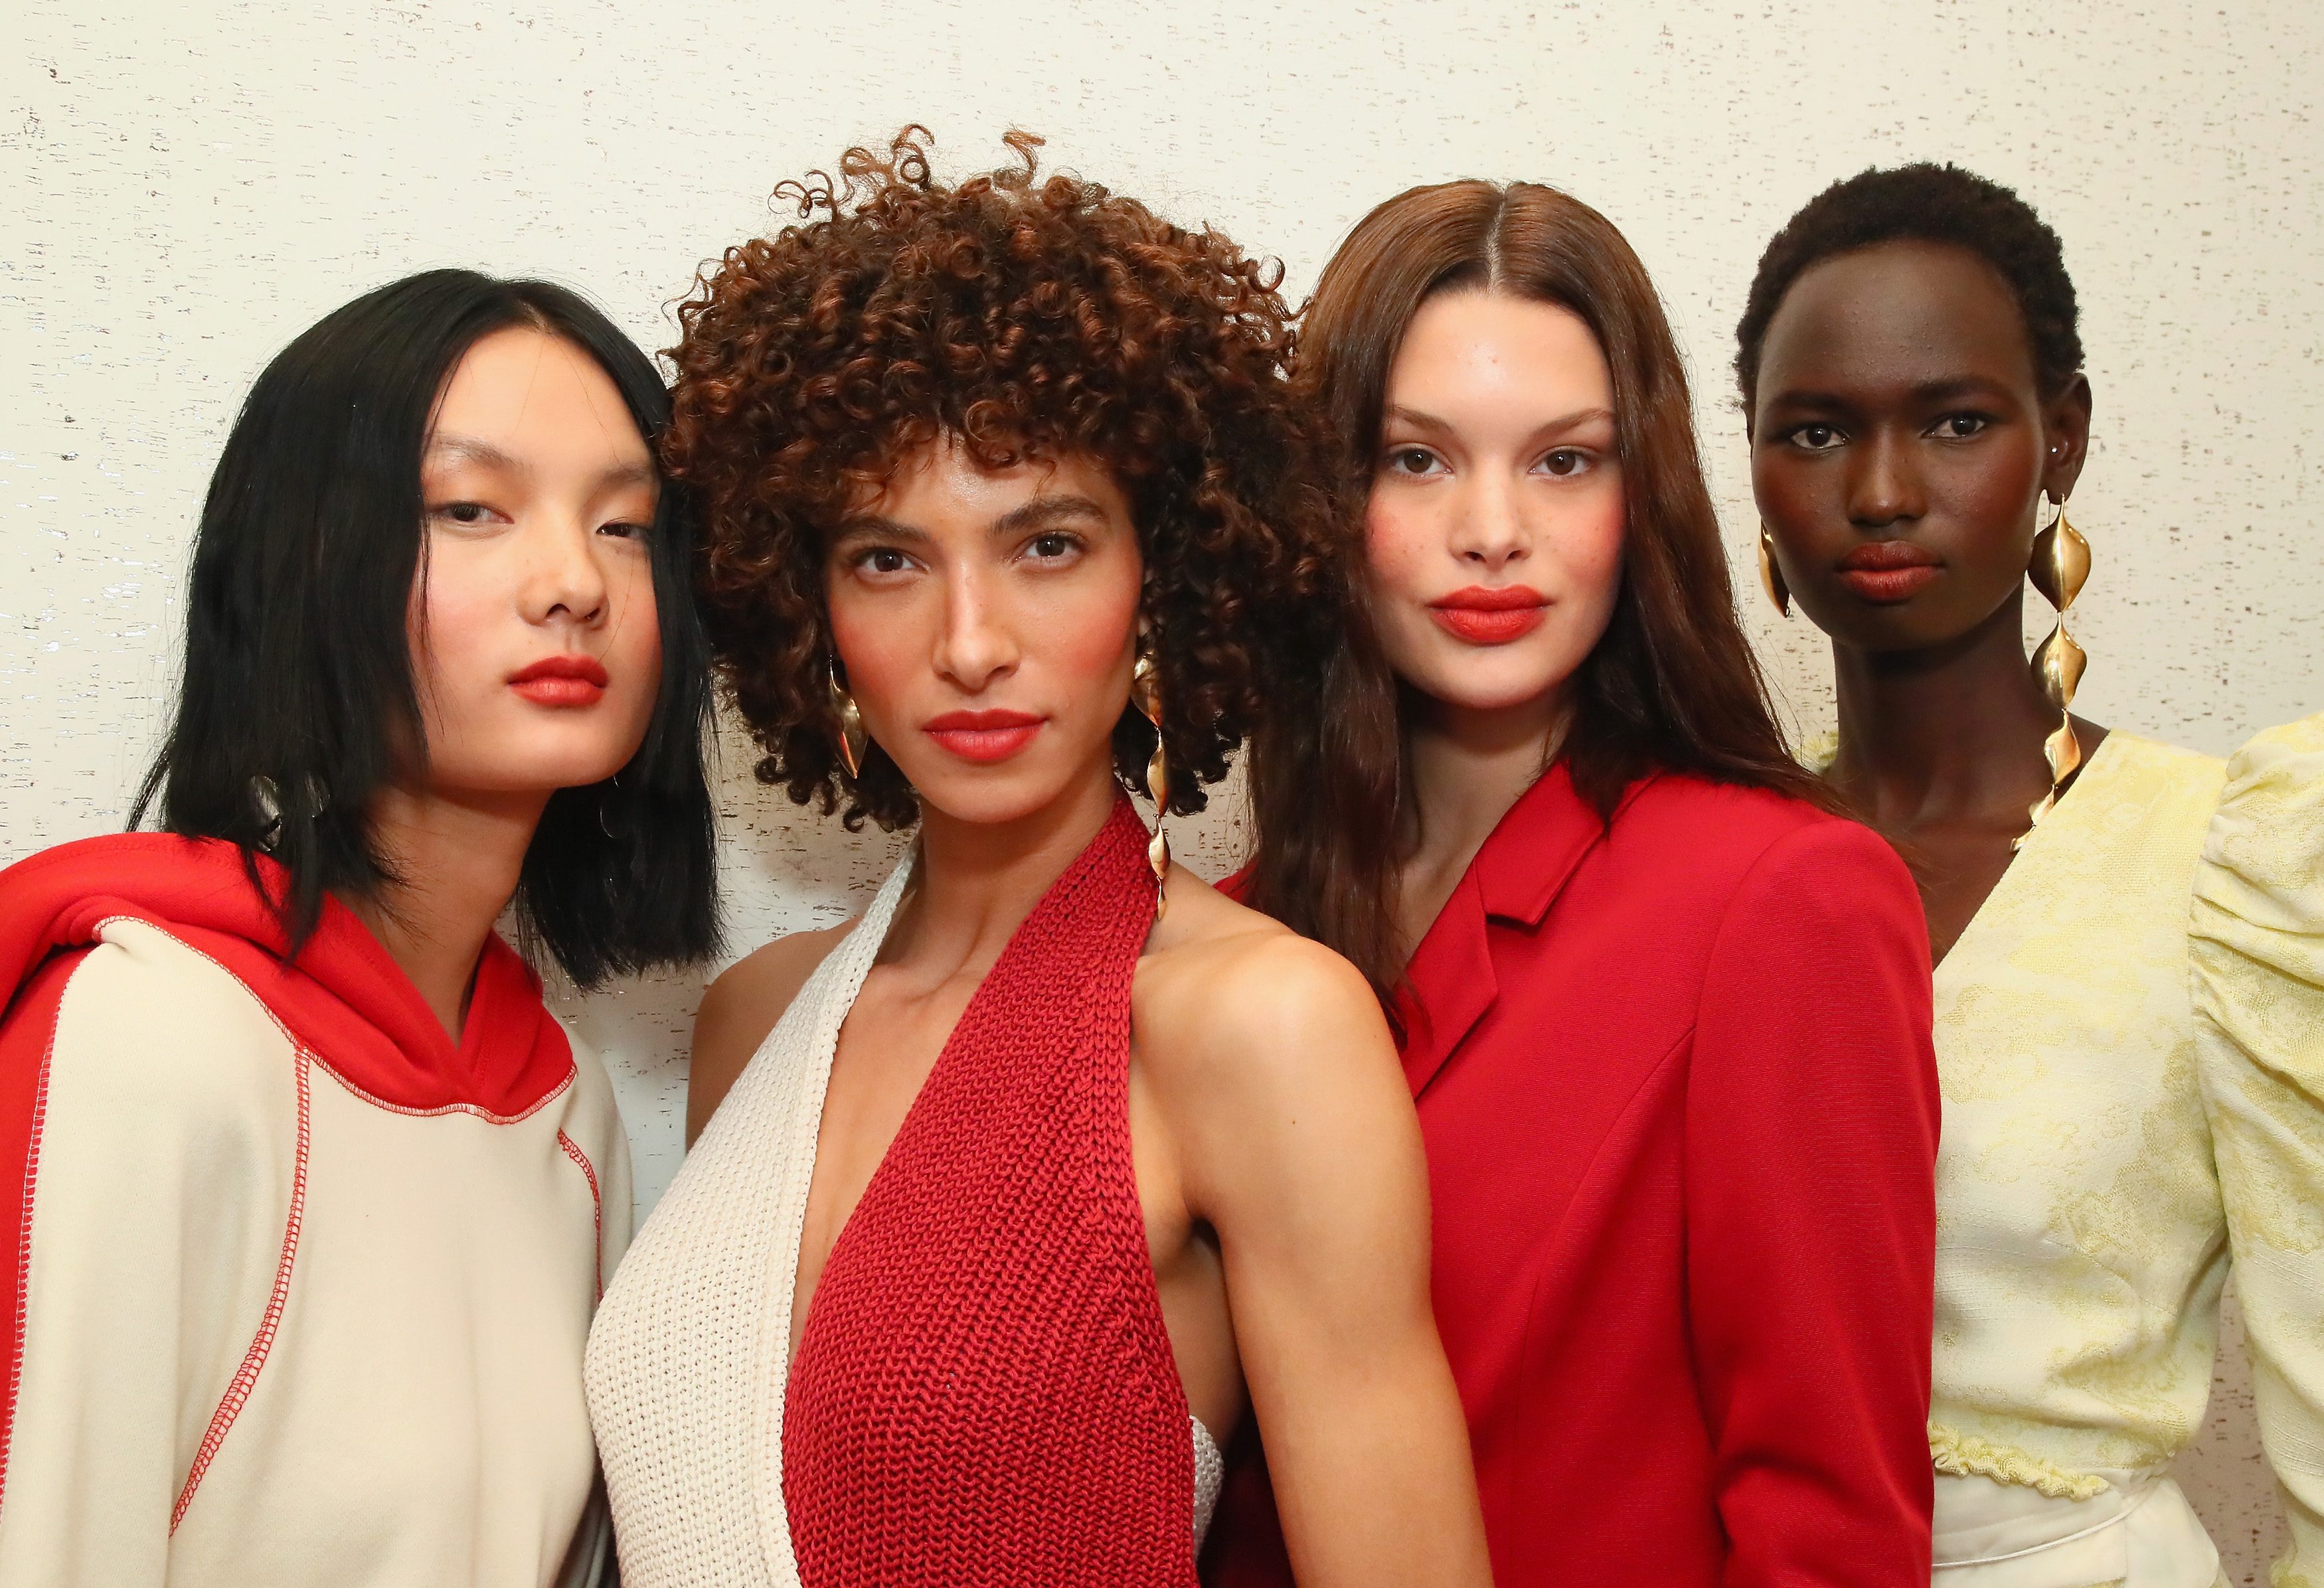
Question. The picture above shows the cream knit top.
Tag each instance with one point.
(2259, 1005)
(690, 1355)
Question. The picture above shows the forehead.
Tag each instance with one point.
(1495, 345)
(538, 398)
(1895, 316)
(941, 484)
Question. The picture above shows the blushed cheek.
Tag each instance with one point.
(635, 654)
(1086, 639)
(1998, 500)
(1594, 548)
(879, 652)
(1398, 546)
(445, 627)
(1802, 508)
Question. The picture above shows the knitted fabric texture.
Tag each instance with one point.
(985, 1391)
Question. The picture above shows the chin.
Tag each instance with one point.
(985, 797)
(1903, 627)
(1473, 683)
(516, 767)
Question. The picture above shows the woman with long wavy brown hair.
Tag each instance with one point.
(1666, 1013)
(1010, 1196)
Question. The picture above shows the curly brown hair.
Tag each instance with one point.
(1024, 319)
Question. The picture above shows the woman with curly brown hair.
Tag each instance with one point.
(1665, 1016)
(1010, 1196)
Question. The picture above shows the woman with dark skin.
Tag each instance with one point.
(1913, 386)
(1941, 719)
(1911, 356)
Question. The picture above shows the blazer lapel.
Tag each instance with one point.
(1518, 875)
(1449, 985)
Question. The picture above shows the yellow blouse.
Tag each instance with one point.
(2080, 1241)
(2258, 985)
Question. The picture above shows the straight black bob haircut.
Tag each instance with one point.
(298, 703)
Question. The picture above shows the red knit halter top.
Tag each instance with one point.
(985, 1391)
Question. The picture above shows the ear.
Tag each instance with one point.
(2066, 432)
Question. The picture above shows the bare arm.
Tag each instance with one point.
(738, 1011)
(1301, 1149)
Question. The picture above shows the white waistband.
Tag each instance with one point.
(2140, 1531)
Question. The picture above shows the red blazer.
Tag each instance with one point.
(1676, 1078)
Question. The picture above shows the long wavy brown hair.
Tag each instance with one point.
(1671, 686)
(1024, 317)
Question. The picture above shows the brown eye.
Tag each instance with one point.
(1814, 437)
(1565, 462)
(1961, 427)
(466, 514)
(1410, 460)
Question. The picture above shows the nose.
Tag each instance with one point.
(563, 581)
(975, 647)
(1885, 487)
(1488, 532)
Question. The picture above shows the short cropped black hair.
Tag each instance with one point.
(298, 664)
(1924, 204)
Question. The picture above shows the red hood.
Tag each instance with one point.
(345, 999)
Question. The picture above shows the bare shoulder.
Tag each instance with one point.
(1229, 1001)
(741, 1007)
(1272, 1067)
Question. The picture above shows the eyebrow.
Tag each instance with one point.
(468, 449)
(1033, 515)
(874, 524)
(1046, 510)
(1573, 421)
(1949, 389)
(637, 474)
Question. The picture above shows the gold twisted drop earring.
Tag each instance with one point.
(1146, 694)
(853, 741)
(2062, 564)
(1771, 574)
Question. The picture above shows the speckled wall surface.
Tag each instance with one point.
(186, 187)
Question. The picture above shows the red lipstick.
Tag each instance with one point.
(562, 681)
(983, 736)
(1486, 614)
(1887, 572)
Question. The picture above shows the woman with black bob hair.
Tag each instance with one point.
(306, 1200)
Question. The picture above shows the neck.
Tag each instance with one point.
(456, 862)
(977, 881)
(1467, 767)
(1948, 731)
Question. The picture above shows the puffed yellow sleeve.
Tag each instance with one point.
(2257, 961)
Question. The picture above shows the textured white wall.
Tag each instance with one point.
(189, 186)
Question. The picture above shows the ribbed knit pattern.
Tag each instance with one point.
(691, 1344)
(985, 1391)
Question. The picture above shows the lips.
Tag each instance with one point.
(562, 681)
(1887, 572)
(983, 736)
(1486, 614)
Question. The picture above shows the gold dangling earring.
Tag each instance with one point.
(1771, 574)
(853, 741)
(2062, 564)
(1146, 694)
